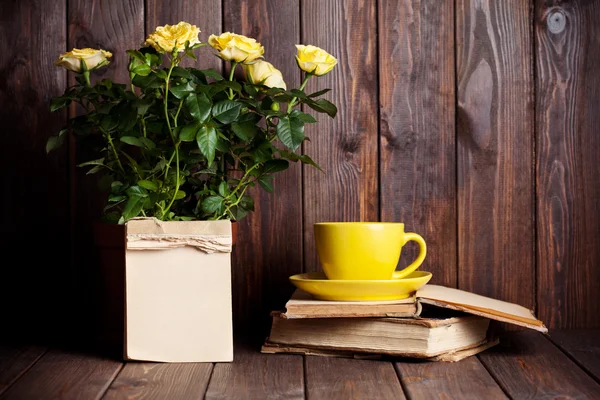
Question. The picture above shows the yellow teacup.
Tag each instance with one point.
(364, 250)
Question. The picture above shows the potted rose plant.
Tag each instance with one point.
(183, 145)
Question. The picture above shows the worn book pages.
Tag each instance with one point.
(423, 337)
(472, 303)
(303, 305)
(452, 356)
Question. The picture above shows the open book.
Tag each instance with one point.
(437, 323)
(302, 305)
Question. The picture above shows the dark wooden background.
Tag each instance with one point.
(476, 123)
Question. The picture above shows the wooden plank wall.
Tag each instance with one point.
(473, 122)
(494, 134)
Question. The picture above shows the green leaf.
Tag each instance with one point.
(151, 200)
(127, 116)
(114, 198)
(238, 212)
(198, 106)
(223, 189)
(99, 161)
(226, 111)
(319, 93)
(188, 132)
(291, 132)
(222, 144)
(262, 152)
(212, 204)
(181, 72)
(132, 141)
(59, 102)
(251, 89)
(245, 130)
(97, 168)
(109, 123)
(211, 73)
(137, 55)
(275, 91)
(288, 155)
(135, 203)
(153, 59)
(265, 183)
(161, 74)
(323, 106)
(307, 160)
(148, 185)
(298, 93)
(191, 55)
(144, 104)
(303, 116)
(273, 166)
(180, 195)
(54, 142)
(142, 69)
(180, 91)
(147, 82)
(207, 142)
(225, 85)
(105, 108)
(247, 203)
(149, 144)
(208, 171)
(116, 186)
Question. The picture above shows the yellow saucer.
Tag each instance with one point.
(317, 284)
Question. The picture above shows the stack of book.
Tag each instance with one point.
(436, 323)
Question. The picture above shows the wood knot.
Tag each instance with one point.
(556, 21)
(407, 140)
(350, 144)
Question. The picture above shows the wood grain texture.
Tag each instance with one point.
(253, 375)
(583, 346)
(35, 186)
(495, 149)
(205, 14)
(341, 378)
(466, 379)
(345, 147)
(416, 91)
(527, 365)
(65, 375)
(269, 249)
(115, 26)
(15, 361)
(161, 381)
(567, 37)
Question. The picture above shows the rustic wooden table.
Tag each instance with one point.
(525, 365)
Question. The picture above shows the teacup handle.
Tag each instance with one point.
(417, 263)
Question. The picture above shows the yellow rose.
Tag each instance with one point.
(237, 48)
(314, 60)
(93, 58)
(167, 38)
(264, 73)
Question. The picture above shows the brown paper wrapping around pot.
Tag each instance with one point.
(178, 291)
